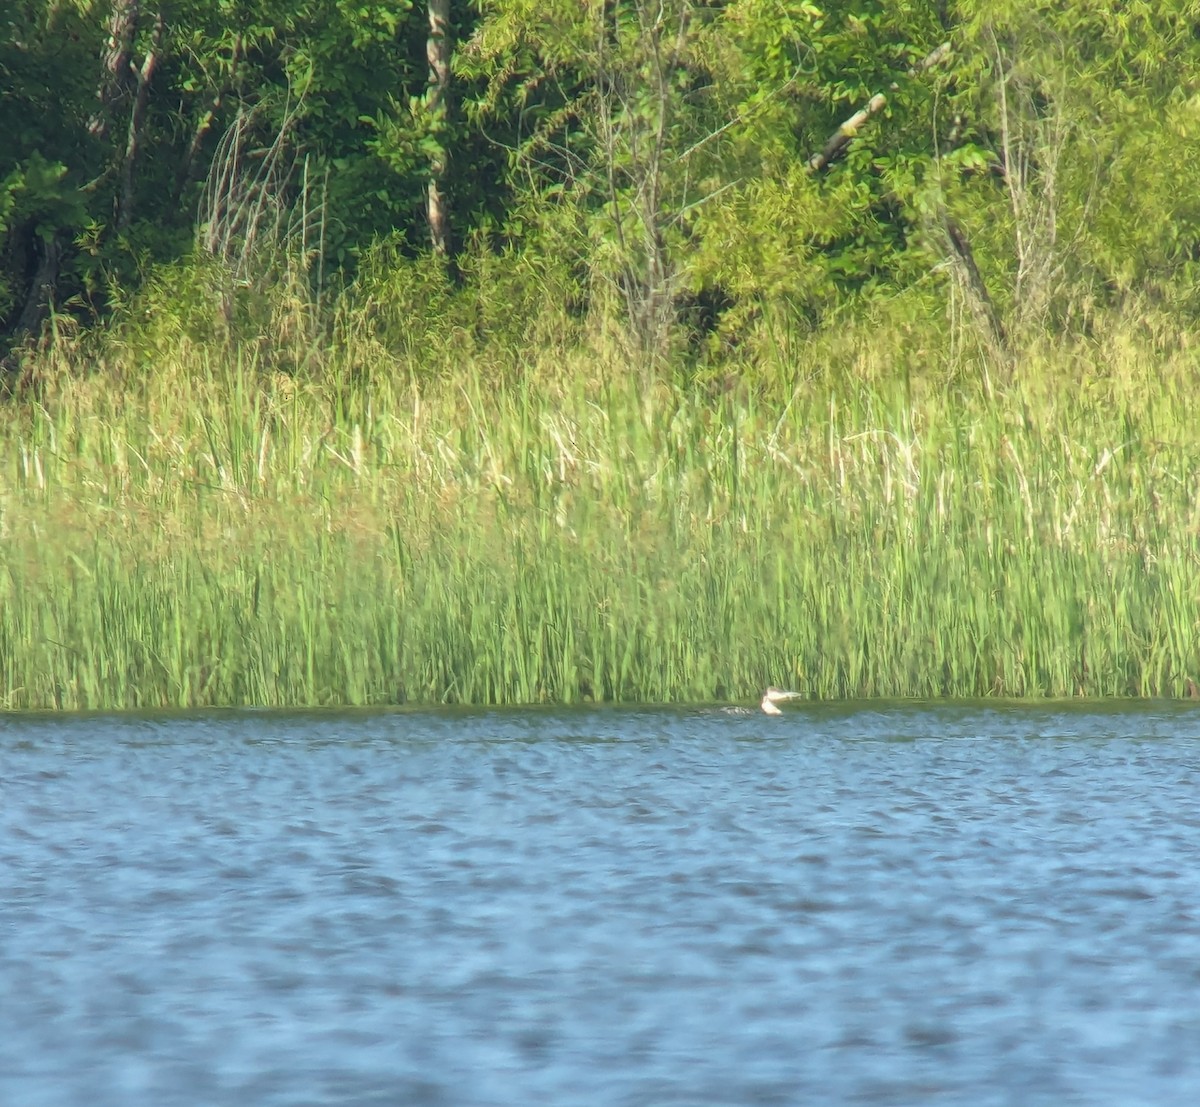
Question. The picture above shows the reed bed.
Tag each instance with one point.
(219, 535)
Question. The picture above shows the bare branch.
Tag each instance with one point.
(846, 132)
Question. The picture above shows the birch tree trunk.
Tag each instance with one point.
(437, 51)
(117, 76)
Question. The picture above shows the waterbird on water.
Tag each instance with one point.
(773, 697)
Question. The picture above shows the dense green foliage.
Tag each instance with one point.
(650, 162)
(843, 345)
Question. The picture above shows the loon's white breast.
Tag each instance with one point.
(773, 697)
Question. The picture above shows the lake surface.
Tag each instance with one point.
(903, 904)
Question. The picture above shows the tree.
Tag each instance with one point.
(438, 52)
(1087, 111)
(677, 136)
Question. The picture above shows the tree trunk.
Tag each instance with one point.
(437, 50)
(41, 290)
(117, 78)
(124, 212)
(183, 175)
(981, 302)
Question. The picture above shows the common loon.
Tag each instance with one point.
(773, 697)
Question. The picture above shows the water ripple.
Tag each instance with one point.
(892, 904)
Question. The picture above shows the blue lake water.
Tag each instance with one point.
(909, 904)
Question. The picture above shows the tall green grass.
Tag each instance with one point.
(201, 530)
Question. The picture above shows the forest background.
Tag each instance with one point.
(512, 351)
